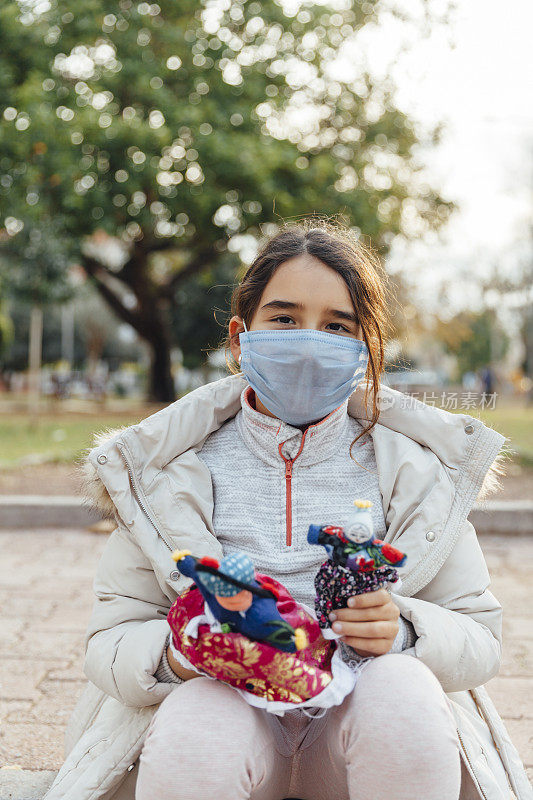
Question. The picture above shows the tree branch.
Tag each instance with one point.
(157, 245)
(201, 260)
(94, 269)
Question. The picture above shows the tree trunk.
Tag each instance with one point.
(151, 320)
(161, 383)
(35, 359)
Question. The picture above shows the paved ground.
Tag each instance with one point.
(46, 598)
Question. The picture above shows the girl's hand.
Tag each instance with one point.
(369, 624)
(181, 672)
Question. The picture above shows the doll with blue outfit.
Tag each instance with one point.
(239, 602)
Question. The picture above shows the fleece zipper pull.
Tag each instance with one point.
(288, 501)
(288, 488)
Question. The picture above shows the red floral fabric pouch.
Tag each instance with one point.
(264, 675)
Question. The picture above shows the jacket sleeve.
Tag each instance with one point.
(128, 629)
(164, 672)
(457, 620)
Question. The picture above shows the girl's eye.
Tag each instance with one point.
(342, 326)
(282, 319)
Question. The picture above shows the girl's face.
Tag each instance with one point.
(304, 293)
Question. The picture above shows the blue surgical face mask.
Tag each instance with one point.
(302, 375)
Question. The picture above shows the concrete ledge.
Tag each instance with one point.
(42, 511)
(65, 511)
(24, 784)
(503, 516)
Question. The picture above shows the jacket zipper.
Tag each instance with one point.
(138, 497)
(288, 489)
(483, 716)
(471, 767)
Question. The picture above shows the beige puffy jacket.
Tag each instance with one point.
(432, 466)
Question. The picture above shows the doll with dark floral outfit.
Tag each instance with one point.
(357, 562)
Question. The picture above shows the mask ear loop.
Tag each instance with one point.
(246, 330)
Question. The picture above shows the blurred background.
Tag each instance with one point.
(146, 148)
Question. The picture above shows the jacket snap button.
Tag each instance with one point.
(130, 767)
(430, 536)
(102, 459)
(469, 429)
(174, 575)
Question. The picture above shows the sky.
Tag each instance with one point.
(475, 74)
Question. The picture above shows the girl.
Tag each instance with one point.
(247, 463)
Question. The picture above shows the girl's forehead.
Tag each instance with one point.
(306, 280)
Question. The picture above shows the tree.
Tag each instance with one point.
(205, 296)
(176, 127)
(7, 332)
(475, 338)
(35, 271)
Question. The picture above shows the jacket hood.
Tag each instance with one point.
(398, 411)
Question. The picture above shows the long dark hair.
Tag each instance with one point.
(360, 268)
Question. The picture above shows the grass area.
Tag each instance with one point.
(515, 422)
(51, 439)
(62, 436)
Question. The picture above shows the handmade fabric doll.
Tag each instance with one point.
(244, 628)
(240, 602)
(357, 561)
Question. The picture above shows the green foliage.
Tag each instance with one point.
(34, 264)
(90, 321)
(7, 330)
(109, 134)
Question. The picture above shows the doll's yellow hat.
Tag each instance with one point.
(363, 503)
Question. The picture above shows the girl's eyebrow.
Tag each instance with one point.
(284, 304)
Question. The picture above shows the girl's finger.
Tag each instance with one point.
(370, 630)
(376, 647)
(367, 614)
(367, 599)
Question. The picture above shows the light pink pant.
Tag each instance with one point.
(393, 738)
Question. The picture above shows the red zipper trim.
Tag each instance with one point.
(288, 501)
(288, 488)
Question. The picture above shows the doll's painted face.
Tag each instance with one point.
(237, 602)
(357, 533)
